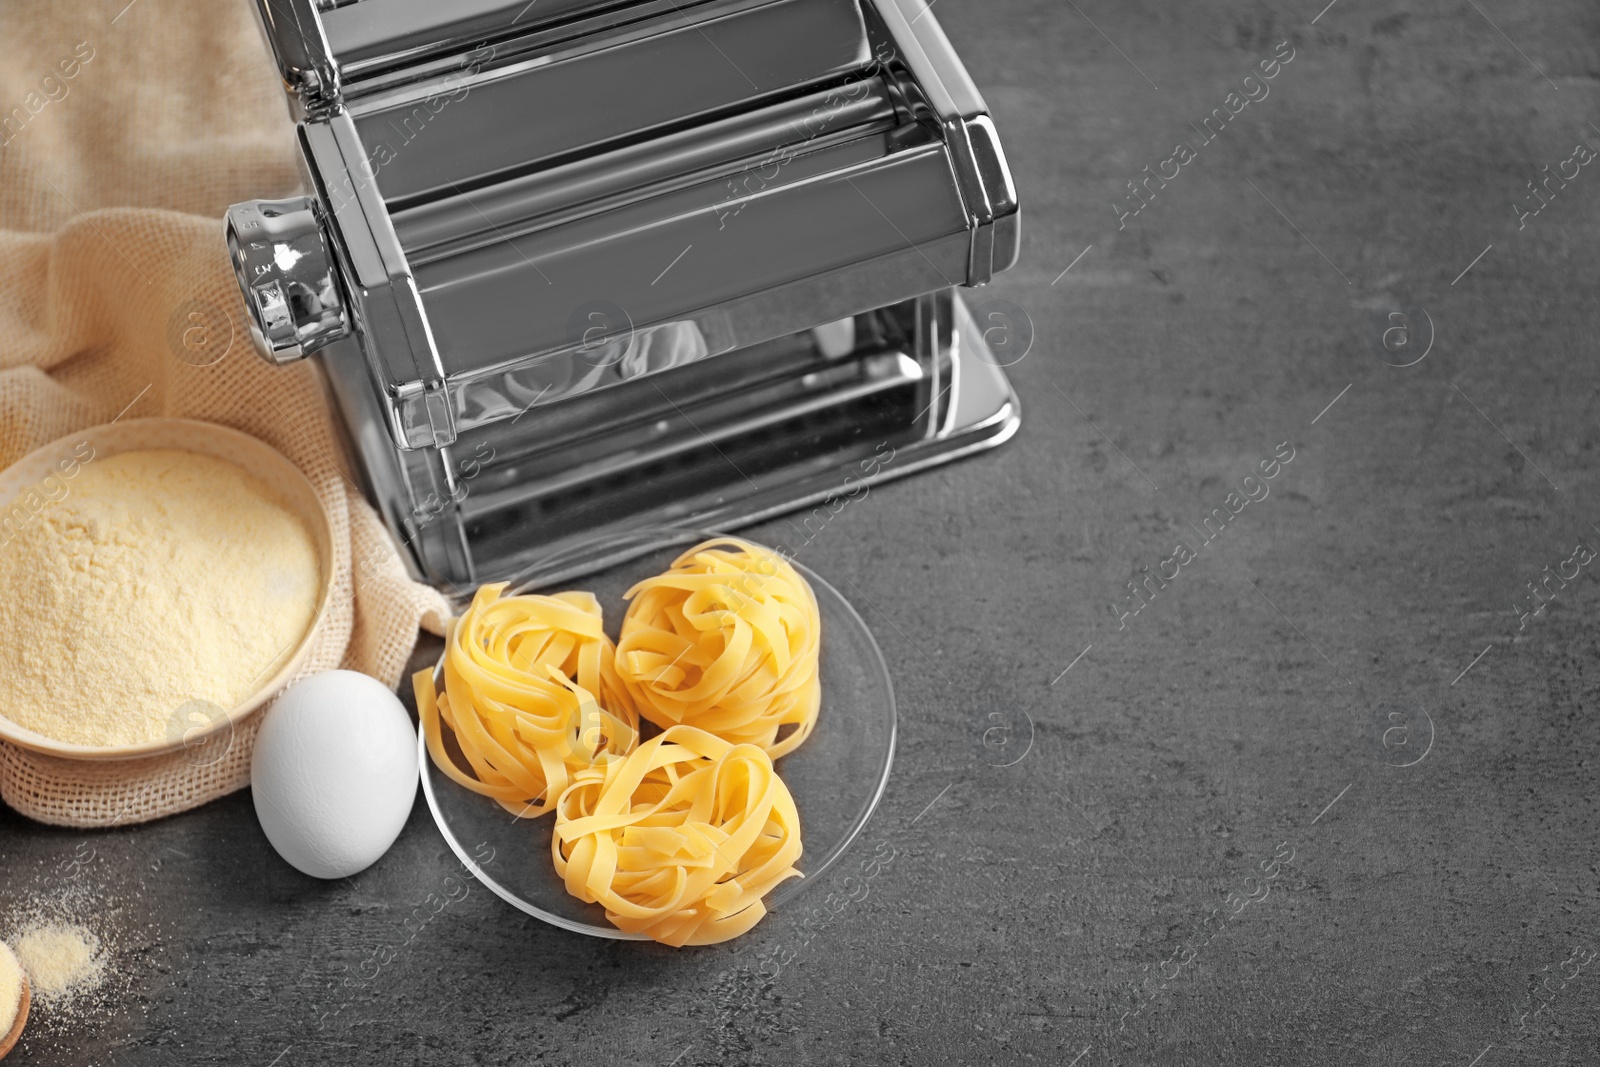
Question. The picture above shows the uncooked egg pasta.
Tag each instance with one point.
(728, 640)
(532, 695)
(681, 839)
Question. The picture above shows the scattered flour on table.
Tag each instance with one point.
(62, 961)
(70, 931)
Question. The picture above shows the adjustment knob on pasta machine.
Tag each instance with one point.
(282, 260)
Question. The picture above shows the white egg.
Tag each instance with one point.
(334, 773)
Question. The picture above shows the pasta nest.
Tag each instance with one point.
(533, 697)
(681, 839)
(728, 640)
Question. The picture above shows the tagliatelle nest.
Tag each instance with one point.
(681, 839)
(532, 695)
(728, 641)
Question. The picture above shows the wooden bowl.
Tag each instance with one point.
(9, 1041)
(255, 458)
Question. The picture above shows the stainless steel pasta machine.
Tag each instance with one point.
(574, 268)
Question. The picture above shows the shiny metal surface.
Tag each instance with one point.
(293, 29)
(875, 189)
(723, 148)
(498, 304)
(393, 323)
(291, 293)
(946, 91)
(757, 433)
(580, 249)
(375, 35)
(682, 67)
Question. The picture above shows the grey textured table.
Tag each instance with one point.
(1327, 798)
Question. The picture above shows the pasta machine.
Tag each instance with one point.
(575, 268)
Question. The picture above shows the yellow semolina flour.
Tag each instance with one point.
(10, 989)
(164, 581)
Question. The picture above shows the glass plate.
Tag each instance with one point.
(836, 777)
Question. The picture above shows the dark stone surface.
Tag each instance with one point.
(1231, 720)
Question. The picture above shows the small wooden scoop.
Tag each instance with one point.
(9, 1041)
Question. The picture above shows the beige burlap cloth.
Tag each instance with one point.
(126, 130)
